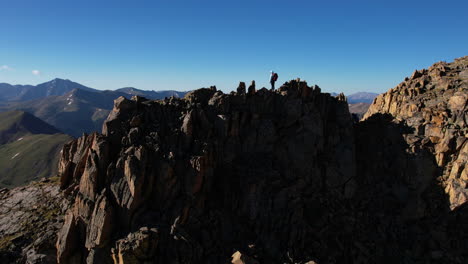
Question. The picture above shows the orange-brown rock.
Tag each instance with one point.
(239, 258)
(433, 103)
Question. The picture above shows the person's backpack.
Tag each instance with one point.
(275, 77)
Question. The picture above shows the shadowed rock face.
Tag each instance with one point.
(274, 177)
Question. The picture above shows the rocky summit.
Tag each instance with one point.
(260, 176)
(195, 180)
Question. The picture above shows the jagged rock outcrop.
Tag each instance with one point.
(433, 103)
(212, 174)
(411, 155)
(30, 218)
(140, 246)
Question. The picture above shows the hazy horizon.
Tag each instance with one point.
(341, 46)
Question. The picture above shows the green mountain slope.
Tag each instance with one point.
(29, 148)
(15, 124)
(30, 158)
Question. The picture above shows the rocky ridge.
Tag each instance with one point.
(261, 176)
(203, 177)
(258, 176)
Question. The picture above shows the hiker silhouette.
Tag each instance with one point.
(273, 79)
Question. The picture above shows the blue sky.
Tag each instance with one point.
(344, 46)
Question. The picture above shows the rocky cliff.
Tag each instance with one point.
(194, 180)
(273, 177)
(412, 151)
(433, 104)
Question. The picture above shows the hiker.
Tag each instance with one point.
(273, 78)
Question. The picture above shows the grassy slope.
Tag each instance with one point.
(37, 158)
(8, 119)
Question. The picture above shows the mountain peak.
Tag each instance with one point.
(59, 81)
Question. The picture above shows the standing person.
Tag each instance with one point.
(273, 78)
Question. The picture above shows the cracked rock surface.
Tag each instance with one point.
(30, 218)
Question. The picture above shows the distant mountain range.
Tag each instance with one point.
(361, 97)
(57, 87)
(11, 93)
(29, 148)
(71, 107)
(359, 102)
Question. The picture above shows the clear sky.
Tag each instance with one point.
(344, 46)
